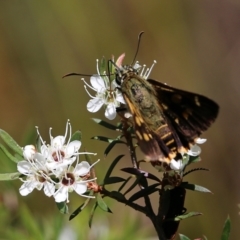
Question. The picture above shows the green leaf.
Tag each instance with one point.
(8, 154)
(186, 215)
(62, 207)
(112, 166)
(102, 204)
(195, 187)
(92, 214)
(183, 237)
(38, 143)
(76, 212)
(194, 159)
(10, 142)
(136, 182)
(104, 139)
(107, 125)
(144, 192)
(112, 180)
(226, 229)
(102, 66)
(117, 195)
(81, 207)
(137, 172)
(9, 176)
(111, 145)
(76, 136)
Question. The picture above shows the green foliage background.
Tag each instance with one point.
(196, 44)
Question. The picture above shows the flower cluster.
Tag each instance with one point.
(55, 167)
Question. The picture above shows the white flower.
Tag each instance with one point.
(37, 175)
(195, 149)
(176, 165)
(107, 94)
(61, 152)
(29, 152)
(73, 179)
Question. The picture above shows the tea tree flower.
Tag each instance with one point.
(107, 94)
(37, 175)
(61, 152)
(73, 179)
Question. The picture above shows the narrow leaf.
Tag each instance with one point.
(112, 166)
(102, 66)
(102, 204)
(106, 124)
(92, 214)
(226, 229)
(38, 144)
(9, 176)
(76, 136)
(104, 139)
(112, 180)
(144, 192)
(62, 207)
(10, 142)
(136, 182)
(79, 209)
(76, 212)
(195, 187)
(194, 159)
(8, 154)
(136, 171)
(111, 145)
(118, 195)
(186, 215)
(123, 185)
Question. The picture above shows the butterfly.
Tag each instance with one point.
(167, 121)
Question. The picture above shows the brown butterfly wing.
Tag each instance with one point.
(190, 114)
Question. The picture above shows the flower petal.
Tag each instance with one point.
(201, 140)
(27, 188)
(80, 188)
(49, 189)
(194, 151)
(98, 83)
(24, 167)
(82, 168)
(61, 194)
(58, 142)
(73, 147)
(94, 104)
(110, 112)
(119, 98)
(176, 165)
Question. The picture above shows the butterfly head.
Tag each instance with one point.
(124, 72)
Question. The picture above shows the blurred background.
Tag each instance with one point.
(197, 47)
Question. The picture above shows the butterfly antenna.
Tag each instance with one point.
(138, 45)
(76, 74)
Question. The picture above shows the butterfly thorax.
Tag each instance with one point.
(148, 119)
